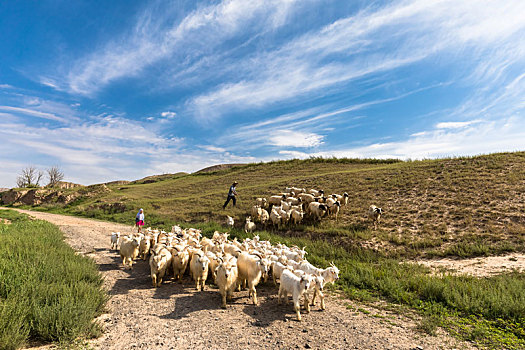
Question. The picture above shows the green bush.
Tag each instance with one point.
(47, 292)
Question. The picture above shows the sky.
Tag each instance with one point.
(122, 89)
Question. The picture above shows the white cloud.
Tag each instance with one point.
(214, 149)
(363, 45)
(289, 138)
(155, 38)
(476, 138)
(168, 115)
(455, 125)
(33, 113)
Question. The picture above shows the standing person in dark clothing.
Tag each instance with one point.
(231, 195)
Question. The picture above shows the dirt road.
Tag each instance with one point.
(175, 316)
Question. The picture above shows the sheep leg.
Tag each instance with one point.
(254, 293)
(274, 279)
(297, 309)
(321, 296)
(154, 279)
(306, 303)
(198, 284)
(223, 293)
(279, 296)
(313, 298)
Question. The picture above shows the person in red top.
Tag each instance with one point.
(231, 195)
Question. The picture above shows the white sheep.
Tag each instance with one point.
(233, 249)
(276, 200)
(277, 270)
(129, 250)
(316, 287)
(285, 205)
(179, 261)
(374, 214)
(343, 199)
(295, 190)
(317, 210)
(316, 193)
(158, 262)
(229, 221)
(293, 200)
(115, 240)
(199, 268)
(214, 263)
(261, 202)
(256, 213)
(249, 226)
(296, 286)
(333, 206)
(144, 247)
(251, 269)
(275, 218)
(226, 279)
(264, 217)
(296, 216)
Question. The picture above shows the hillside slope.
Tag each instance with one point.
(457, 207)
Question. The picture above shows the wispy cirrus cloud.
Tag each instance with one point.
(33, 113)
(159, 34)
(361, 45)
(456, 125)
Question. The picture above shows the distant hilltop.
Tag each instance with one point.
(3, 189)
(218, 167)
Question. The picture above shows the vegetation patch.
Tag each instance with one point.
(47, 292)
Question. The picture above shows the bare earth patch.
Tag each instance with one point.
(479, 267)
(175, 316)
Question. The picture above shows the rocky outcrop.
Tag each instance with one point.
(12, 196)
(63, 185)
(33, 197)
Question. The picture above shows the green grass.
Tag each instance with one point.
(47, 292)
(432, 207)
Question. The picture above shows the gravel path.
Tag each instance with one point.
(175, 316)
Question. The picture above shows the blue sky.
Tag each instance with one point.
(115, 89)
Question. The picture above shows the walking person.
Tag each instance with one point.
(231, 195)
(139, 219)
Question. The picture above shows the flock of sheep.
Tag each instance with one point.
(230, 264)
(294, 204)
(234, 265)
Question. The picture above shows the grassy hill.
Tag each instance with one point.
(462, 207)
(458, 207)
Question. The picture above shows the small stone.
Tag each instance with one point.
(419, 347)
(307, 346)
(305, 330)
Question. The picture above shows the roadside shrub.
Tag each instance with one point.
(47, 292)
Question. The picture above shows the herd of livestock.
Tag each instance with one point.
(233, 265)
(230, 264)
(295, 204)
